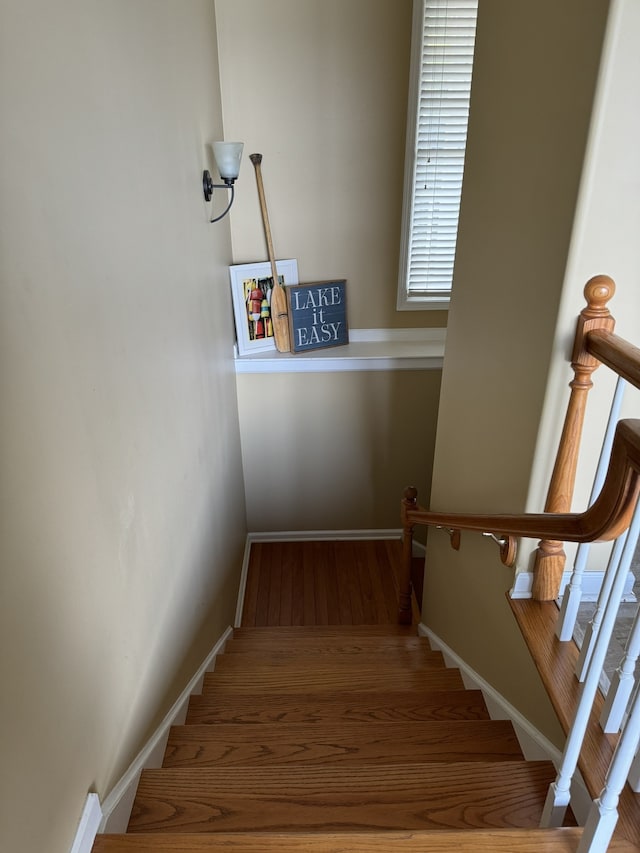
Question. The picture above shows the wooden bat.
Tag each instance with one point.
(279, 311)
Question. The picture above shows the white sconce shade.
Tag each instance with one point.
(228, 156)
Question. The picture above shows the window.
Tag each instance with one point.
(441, 66)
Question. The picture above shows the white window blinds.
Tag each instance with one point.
(444, 39)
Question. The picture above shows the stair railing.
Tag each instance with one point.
(572, 595)
(603, 815)
(607, 517)
(594, 344)
(613, 514)
(624, 359)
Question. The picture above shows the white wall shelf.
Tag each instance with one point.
(368, 349)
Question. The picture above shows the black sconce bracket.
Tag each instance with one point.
(208, 187)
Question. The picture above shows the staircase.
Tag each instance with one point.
(347, 734)
(346, 738)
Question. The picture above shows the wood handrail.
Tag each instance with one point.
(605, 519)
(617, 353)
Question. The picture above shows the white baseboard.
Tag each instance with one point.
(322, 535)
(88, 826)
(535, 746)
(591, 583)
(116, 807)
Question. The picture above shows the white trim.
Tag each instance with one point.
(499, 707)
(422, 303)
(533, 743)
(591, 583)
(117, 805)
(318, 535)
(88, 825)
(419, 550)
(368, 349)
(422, 335)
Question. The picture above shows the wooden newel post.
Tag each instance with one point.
(550, 556)
(409, 502)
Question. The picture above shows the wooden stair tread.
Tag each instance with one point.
(563, 840)
(217, 746)
(331, 645)
(332, 678)
(294, 798)
(221, 707)
(295, 779)
(408, 659)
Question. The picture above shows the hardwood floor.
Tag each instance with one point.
(323, 583)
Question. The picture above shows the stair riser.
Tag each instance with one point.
(410, 660)
(341, 631)
(327, 645)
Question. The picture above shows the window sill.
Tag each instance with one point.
(418, 303)
(368, 349)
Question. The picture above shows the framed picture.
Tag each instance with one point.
(251, 286)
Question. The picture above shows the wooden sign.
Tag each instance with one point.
(318, 315)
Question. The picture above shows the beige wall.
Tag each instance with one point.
(122, 522)
(319, 87)
(604, 240)
(334, 451)
(529, 122)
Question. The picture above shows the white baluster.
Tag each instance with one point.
(559, 791)
(591, 632)
(603, 815)
(634, 774)
(622, 683)
(573, 593)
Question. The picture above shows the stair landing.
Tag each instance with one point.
(351, 582)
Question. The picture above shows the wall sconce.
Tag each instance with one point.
(227, 156)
